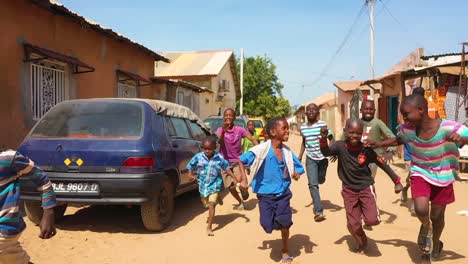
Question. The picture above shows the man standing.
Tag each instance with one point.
(316, 163)
(374, 129)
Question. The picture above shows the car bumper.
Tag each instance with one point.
(113, 188)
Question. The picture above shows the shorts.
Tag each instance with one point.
(275, 211)
(211, 198)
(227, 180)
(11, 251)
(437, 195)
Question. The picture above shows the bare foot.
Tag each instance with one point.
(286, 258)
(209, 232)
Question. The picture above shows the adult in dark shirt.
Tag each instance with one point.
(353, 170)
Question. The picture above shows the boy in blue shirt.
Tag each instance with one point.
(272, 165)
(209, 165)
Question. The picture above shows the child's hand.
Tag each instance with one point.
(244, 184)
(324, 132)
(47, 224)
(398, 187)
(455, 138)
(371, 144)
(191, 177)
(296, 176)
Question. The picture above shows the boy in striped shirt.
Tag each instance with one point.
(434, 166)
(316, 163)
(12, 166)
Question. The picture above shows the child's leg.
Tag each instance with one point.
(211, 214)
(285, 258)
(370, 211)
(353, 216)
(438, 224)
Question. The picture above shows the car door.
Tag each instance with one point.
(183, 145)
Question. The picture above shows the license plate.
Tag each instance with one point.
(75, 187)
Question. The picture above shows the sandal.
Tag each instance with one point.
(425, 241)
(287, 259)
(435, 255)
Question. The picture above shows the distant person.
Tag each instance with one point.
(230, 139)
(209, 166)
(272, 164)
(434, 167)
(316, 163)
(13, 166)
(375, 129)
(358, 185)
(247, 143)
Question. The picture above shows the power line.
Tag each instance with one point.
(340, 47)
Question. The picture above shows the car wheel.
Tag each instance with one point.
(157, 213)
(34, 211)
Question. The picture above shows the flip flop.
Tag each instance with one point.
(435, 255)
(287, 260)
(424, 241)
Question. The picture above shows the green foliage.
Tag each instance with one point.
(262, 89)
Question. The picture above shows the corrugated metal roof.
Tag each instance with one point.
(193, 63)
(350, 86)
(58, 8)
(436, 56)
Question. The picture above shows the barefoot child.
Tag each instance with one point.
(12, 166)
(272, 165)
(209, 165)
(353, 170)
(434, 166)
(230, 139)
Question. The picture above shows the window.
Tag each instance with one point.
(169, 127)
(48, 87)
(126, 90)
(197, 131)
(92, 120)
(180, 127)
(180, 98)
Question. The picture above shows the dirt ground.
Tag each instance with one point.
(116, 235)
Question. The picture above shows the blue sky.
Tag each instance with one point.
(300, 36)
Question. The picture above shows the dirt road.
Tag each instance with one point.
(116, 235)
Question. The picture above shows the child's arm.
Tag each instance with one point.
(379, 161)
(245, 159)
(191, 176)
(23, 166)
(298, 168)
(324, 148)
(301, 153)
(251, 138)
(243, 175)
(382, 144)
(191, 166)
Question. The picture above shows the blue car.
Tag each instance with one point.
(114, 151)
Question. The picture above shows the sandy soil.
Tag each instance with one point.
(116, 235)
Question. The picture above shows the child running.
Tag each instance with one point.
(246, 143)
(12, 166)
(230, 139)
(434, 167)
(353, 170)
(272, 165)
(209, 165)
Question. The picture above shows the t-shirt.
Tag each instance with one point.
(375, 129)
(208, 172)
(247, 144)
(231, 149)
(436, 159)
(273, 176)
(353, 164)
(311, 135)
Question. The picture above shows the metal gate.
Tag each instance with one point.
(47, 88)
(354, 105)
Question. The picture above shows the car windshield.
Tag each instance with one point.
(215, 123)
(92, 120)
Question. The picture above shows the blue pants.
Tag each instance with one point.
(316, 171)
(275, 211)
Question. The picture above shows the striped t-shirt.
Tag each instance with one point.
(12, 166)
(435, 160)
(311, 135)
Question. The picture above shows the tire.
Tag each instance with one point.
(156, 214)
(34, 211)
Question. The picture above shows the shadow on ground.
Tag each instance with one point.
(120, 219)
(297, 243)
(416, 255)
(372, 248)
(328, 205)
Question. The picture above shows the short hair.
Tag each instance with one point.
(416, 100)
(311, 105)
(272, 123)
(229, 109)
(210, 140)
(250, 121)
(354, 121)
(419, 91)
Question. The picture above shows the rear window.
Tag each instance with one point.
(92, 120)
(215, 123)
(258, 124)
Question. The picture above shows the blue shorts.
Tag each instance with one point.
(275, 211)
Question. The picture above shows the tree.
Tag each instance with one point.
(262, 89)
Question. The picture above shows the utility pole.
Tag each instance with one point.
(241, 103)
(371, 16)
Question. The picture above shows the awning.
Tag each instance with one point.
(132, 76)
(77, 65)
